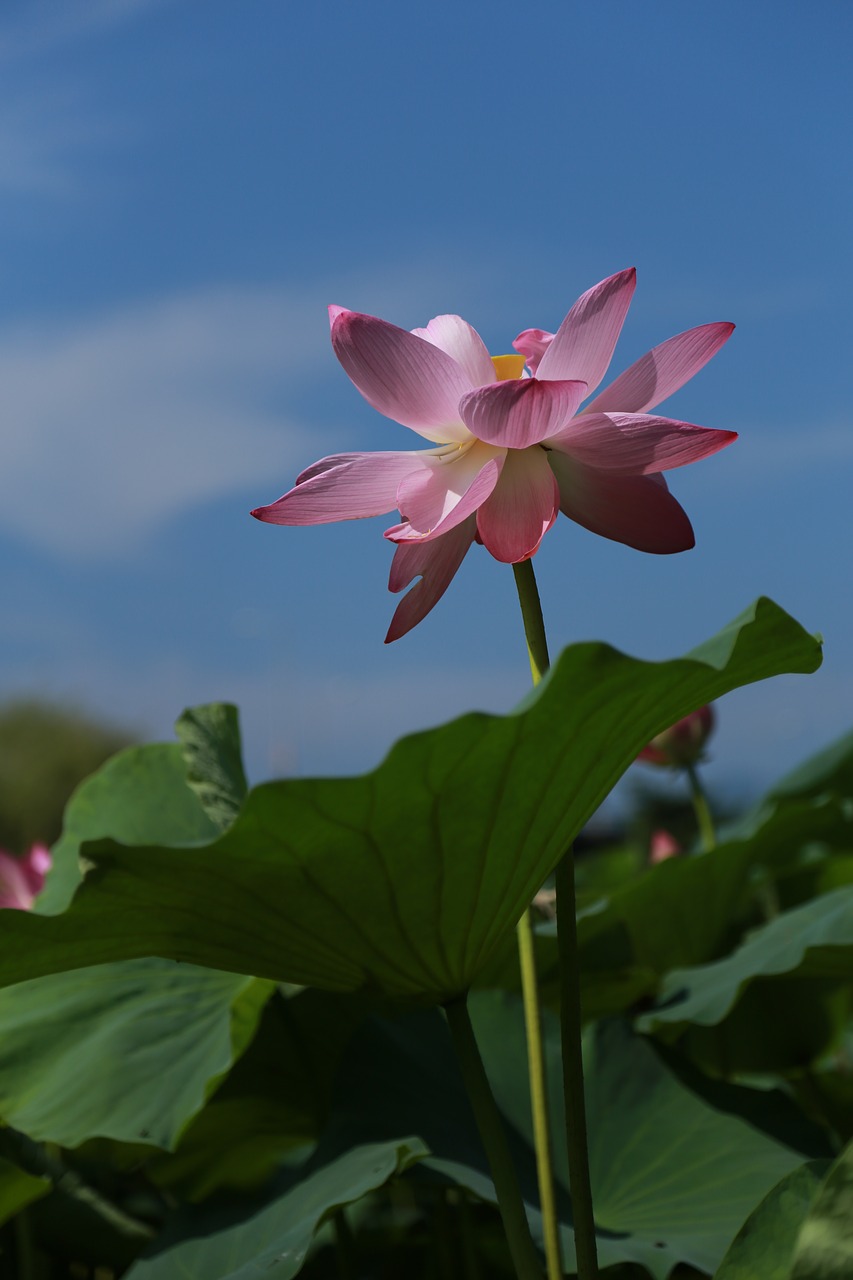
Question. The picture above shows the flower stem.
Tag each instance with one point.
(570, 1011)
(537, 649)
(344, 1246)
(701, 808)
(539, 1097)
(573, 1088)
(524, 1255)
(37, 1159)
(531, 613)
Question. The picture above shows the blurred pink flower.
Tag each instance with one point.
(663, 845)
(683, 743)
(22, 879)
(510, 450)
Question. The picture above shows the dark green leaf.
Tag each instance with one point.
(276, 1240)
(824, 1248)
(692, 910)
(275, 1099)
(763, 1247)
(673, 1178)
(813, 940)
(18, 1189)
(126, 1051)
(139, 797)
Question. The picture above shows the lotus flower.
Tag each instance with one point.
(511, 446)
(663, 845)
(22, 879)
(683, 743)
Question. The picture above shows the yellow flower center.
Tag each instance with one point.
(507, 367)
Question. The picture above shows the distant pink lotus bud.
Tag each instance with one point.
(663, 845)
(683, 743)
(22, 879)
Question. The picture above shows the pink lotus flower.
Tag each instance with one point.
(511, 449)
(682, 743)
(22, 879)
(663, 845)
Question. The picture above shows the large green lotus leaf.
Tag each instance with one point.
(403, 880)
(139, 797)
(64, 1034)
(763, 1247)
(673, 1177)
(275, 1240)
(824, 1248)
(814, 940)
(126, 1051)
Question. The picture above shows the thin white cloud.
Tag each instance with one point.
(40, 27)
(782, 451)
(47, 122)
(113, 425)
(110, 427)
(42, 137)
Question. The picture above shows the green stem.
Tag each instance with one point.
(466, 1231)
(531, 612)
(35, 1158)
(344, 1246)
(539, 1097)
(701, 808)
(570, 1027)
(570, 1007)
(537, 650)
(445, 1253)
(25, 1248)
(524, 1255)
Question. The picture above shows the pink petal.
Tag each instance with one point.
(353, 486)
(520, 412)
(532, 344)
(401, 375)
(524, 505)
(638, 444)
(583, 345)
(637, 510)
(436, 563)
(662, 371)
(462, 343)
(663, 845)
(35, 866)
(15, 890)
(427, 494)
(425, 498)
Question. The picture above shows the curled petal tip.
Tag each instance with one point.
(334, 312)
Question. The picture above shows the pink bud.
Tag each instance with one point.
(683, 743)
(22, 879)
(663, 845)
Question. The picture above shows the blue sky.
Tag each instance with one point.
(186, 185)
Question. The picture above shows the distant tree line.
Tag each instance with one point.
(45, 751)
